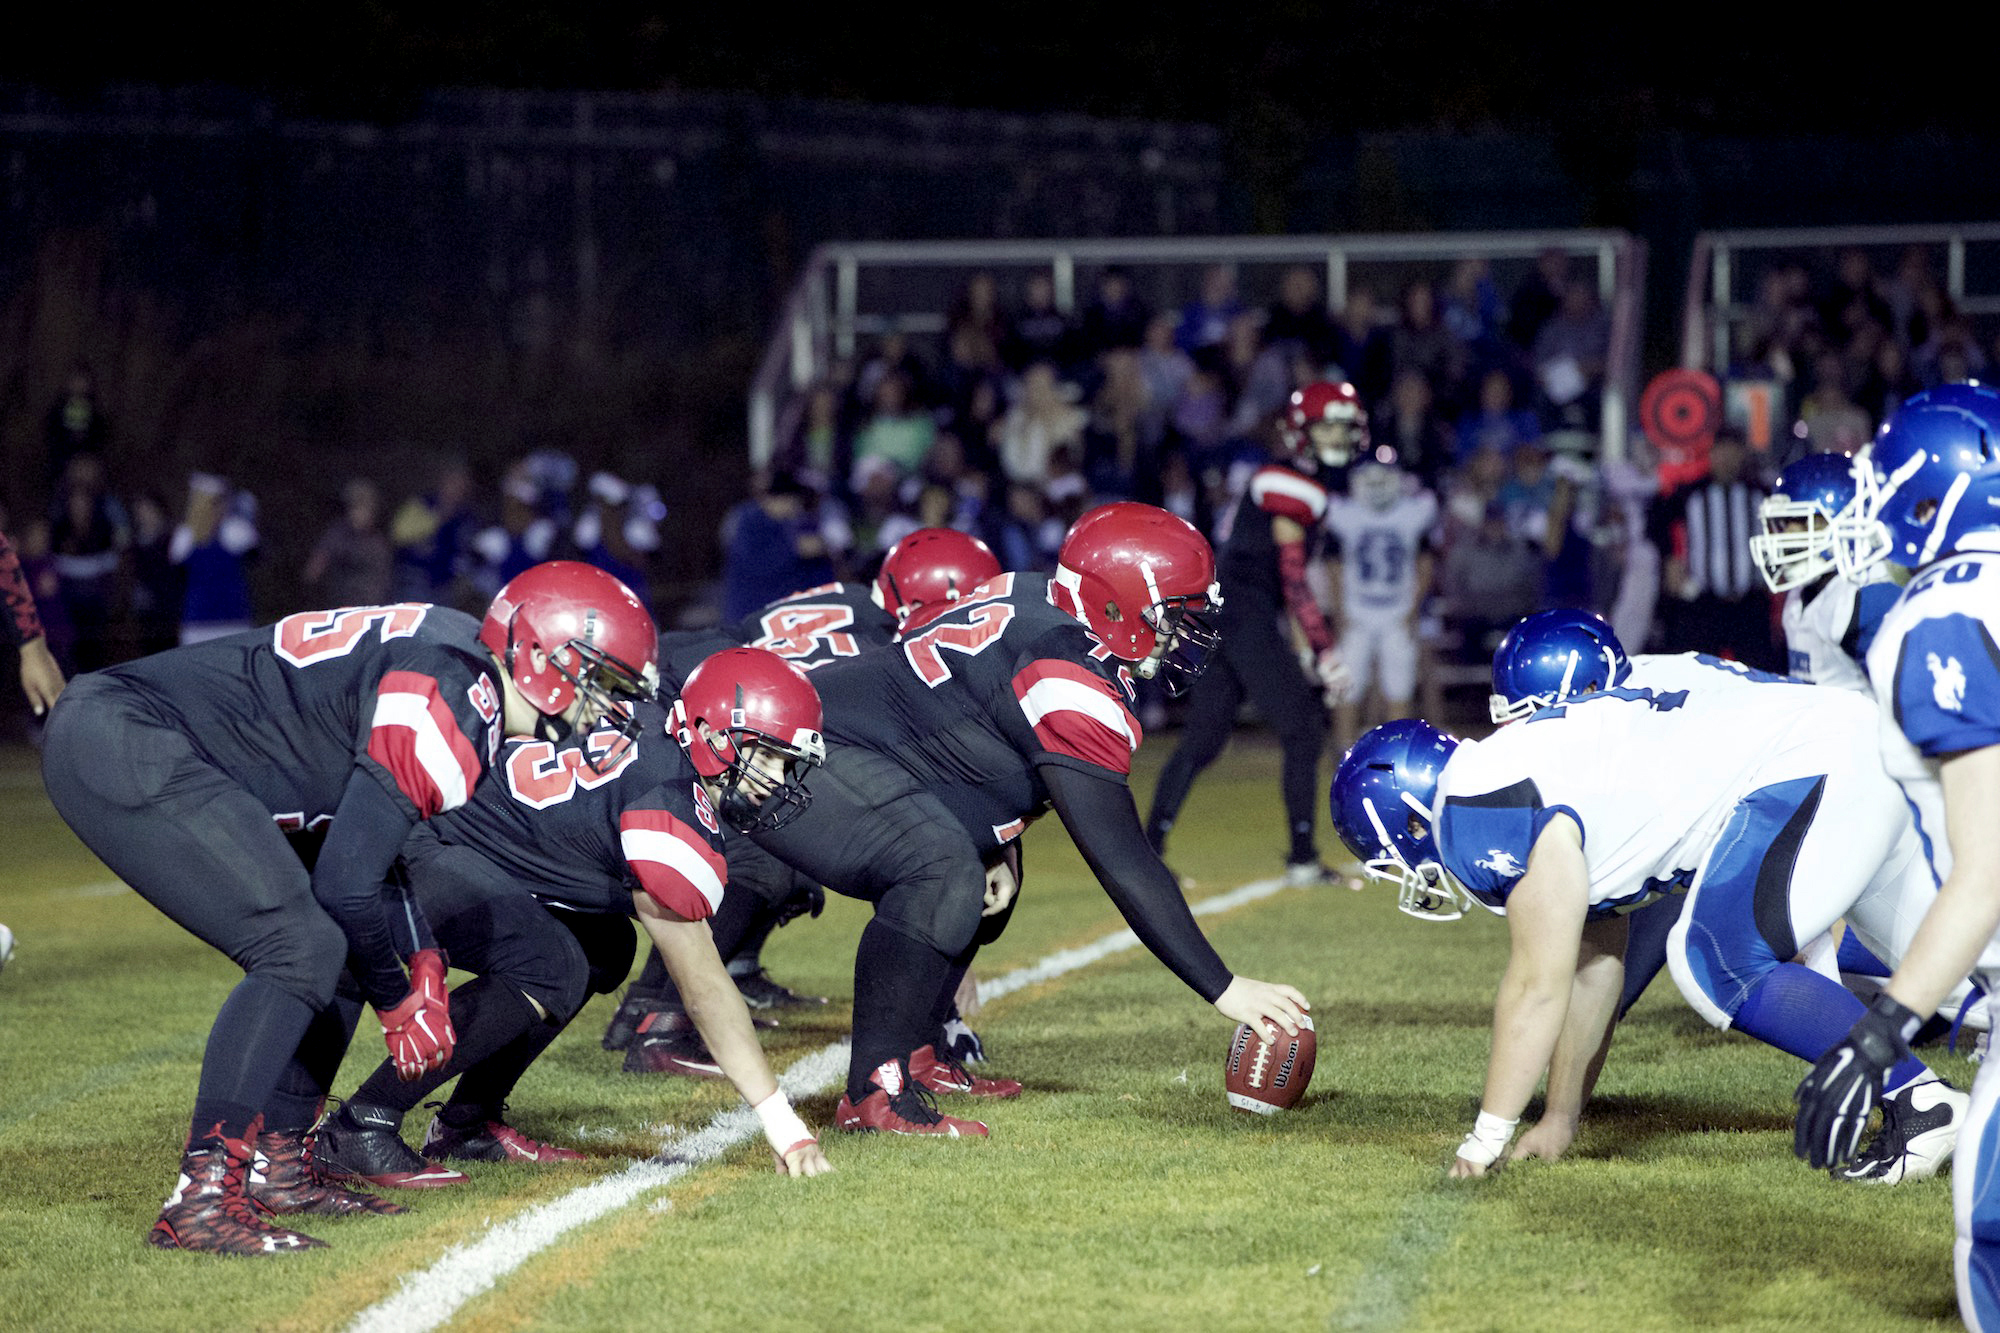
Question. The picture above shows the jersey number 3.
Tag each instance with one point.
(316, 636)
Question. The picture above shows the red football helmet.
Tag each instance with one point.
(1324, 423)
(931, 568)
(1138, 576)
(593, 636)
(753, 702)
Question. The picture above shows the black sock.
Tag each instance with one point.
(896, 985)
(254, 1038)
(946, 1004)
(654, 983)
(302, 1088)
(486, 1013)
(484, 1090)
(744, 959)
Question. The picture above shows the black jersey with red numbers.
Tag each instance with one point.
(586, 834)
(973, 702)
(808, 629)
(1246, 565)
(406, 692)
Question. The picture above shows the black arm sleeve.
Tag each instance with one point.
(361, 846)
(1100, 817)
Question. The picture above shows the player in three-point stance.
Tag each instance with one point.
(1014, 699)
(1758, 797)
(1262, 567)
(928, 569)
(183, 772)
(532, 885)
(1927, 492)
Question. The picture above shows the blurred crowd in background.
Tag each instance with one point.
(1018, 418)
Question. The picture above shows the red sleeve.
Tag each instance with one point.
(678, 868)
(1299, 599)
(18, 621)
(1077, 714)
(1288, 494)
(416, 737)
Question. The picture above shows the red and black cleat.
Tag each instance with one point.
(284, 1180)
(667, 1043)
(489, 1141)
(944, 1074)
(210, 1209)
(363, 1143)
(897, 1105)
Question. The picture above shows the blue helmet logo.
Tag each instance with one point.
(1552, 657)
(1927, 485)
(1381, 800)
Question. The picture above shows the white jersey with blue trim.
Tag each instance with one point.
(1830, 625)
(1936, 672)
(1379, 546)
(1650, 771)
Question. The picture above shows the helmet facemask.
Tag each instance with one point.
(1861, 540)
(606, 692)
(750, 797)
(1183, 641)
(1502, 711)
(1424, 890)
(1796, 544)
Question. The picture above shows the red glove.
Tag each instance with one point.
(418, 1029)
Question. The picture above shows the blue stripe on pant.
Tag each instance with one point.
(1738, 921)
(1975, 1189)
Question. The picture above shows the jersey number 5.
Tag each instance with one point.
(315, 636)
(981, 630)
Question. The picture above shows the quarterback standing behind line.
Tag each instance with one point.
(183, 771)
(1928, 499)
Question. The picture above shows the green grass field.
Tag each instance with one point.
(1119, 1192)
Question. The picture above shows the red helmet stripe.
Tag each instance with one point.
(415, 737)
(1077, 713)
(1279, 490)
(674, 863)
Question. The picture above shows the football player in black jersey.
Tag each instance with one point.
(184, 771)
(532, 885)
(1262, 564)
(1014, 699)
(41, 678)
(924, 572)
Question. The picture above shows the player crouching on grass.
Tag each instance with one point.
(533, 883)
(1760, 798)
(1013, 700)
(182, 772)
(1926, 489)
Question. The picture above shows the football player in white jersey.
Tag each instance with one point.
(1928, 499)
(1384, 569)
(1760, 798)
(1829, 622)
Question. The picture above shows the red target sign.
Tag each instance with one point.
(1680, 412)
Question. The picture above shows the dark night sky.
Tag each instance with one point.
(1373, 64)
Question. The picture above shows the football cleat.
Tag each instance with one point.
(897, 1105)
(489, 1141)
(961, 1043)
(283, 1179)
(210, 1209)
(632, 1011)
(366, 1143)
(1919, 1130)
(1309, 875)
(761, 992)
(943, 1075)
(667, 1043)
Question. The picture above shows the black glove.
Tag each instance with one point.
(1836, 1097)
(805, 900)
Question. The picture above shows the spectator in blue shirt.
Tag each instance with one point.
(1496, 422)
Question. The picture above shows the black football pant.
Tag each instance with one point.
(1254, 662)
(488, 923)
(205, 852)
(873, 832)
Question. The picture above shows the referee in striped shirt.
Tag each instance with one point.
(1715, 599)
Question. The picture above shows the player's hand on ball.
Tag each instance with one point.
(1548, 1139)
(1267, 1006)
(804, 1160)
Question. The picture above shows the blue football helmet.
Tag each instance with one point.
(1929, 484)
(1381, 799)
(1796, 544)
(1551, 657)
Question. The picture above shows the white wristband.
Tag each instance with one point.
(1488, 1139)
(782, 1125)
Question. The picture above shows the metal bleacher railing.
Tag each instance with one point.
(1725, 266)
(851, 289)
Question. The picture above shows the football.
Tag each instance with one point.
(1267, 1077)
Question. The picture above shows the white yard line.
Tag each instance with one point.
(429, 1298)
